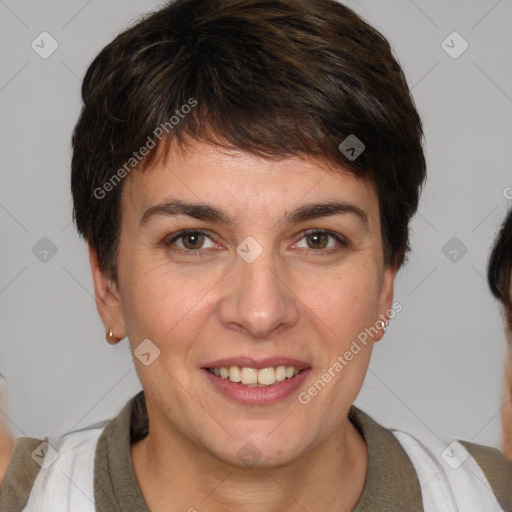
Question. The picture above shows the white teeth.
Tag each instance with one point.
(280, 373)
(249, 375)
(234, 374)
(253, 377)
(266, 376)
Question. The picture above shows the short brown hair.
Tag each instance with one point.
(499, 270)
(275, 78)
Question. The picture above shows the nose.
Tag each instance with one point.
(259, 299)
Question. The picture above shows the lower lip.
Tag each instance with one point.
(257, 395)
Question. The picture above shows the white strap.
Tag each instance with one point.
(65, 482)
(450, 478)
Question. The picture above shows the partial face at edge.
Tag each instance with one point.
(307, 296)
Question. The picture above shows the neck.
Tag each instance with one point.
(170, 469)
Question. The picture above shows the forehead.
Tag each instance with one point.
(244, 183)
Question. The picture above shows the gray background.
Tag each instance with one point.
(439, 366)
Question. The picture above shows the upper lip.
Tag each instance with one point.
(250, 362)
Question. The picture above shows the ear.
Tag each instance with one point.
(386, 299)
(108, 301)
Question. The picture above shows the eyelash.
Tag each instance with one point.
(344, 243)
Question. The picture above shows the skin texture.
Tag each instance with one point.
(6, 439)
(295, 300)
(506, 417)
(6, 449)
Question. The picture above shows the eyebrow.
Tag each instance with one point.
(206, 212)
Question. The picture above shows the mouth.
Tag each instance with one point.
(250, 382)
(254, 377)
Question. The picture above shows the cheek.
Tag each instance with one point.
(158, 304)
(346, 301)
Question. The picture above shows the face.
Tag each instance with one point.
(261, 280)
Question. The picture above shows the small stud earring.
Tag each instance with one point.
(110, 337)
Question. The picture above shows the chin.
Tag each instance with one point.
(260, 451)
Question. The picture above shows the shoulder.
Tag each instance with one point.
(20, 475)
(496, 468)
(36, 467)
(475, 477)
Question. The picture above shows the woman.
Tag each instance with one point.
(244, 173)
(499, 277)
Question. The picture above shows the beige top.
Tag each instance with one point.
(391, 481)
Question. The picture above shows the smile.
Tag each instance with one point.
(242, 384)
(253, 377)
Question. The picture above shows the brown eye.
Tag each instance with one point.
(193, 240)
(318, 240)
(190, 241)
(323, 241)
